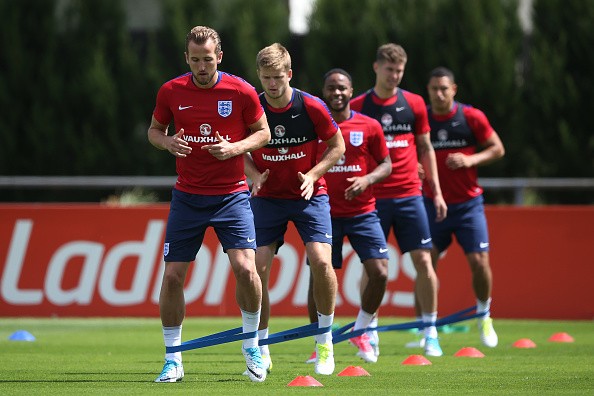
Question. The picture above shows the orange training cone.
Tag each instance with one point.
(304, 381)
(417, 360)
(561, 337)
(524, 343)
(469, 352)
(353, 371)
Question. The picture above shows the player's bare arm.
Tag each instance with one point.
(334, 150)
(259, 137)
(426, 155)
(175, 144)
(492, 150)
(361, 183)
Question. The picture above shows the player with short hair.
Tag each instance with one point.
(365, 162)
(288, 185)
(457, 130)
(399, 200)
(219, 118)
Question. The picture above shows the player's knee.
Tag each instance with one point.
(377, 272)
(245, 274)
(320, 266)
(381, 277)
(479, 261)
(173, 280)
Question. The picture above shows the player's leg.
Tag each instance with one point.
(312, 312)
(482, 278)
(186, 225)
(441, 238)
(368, 241)
(482, 281)
(324, 293)
(473, 237)
(377, 272)
(313, 223)
(248, 293)
(426, 292)
(270, 220)
(264, 257)
(414, 236)
(371, 298)
(172, 309)
(337, 242)
(234, 225)
(387, 220)
(419, 341)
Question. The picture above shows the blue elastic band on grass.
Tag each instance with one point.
(338, 335)
(236, 334)
(293, 334)
(342, 334)
(212, 339)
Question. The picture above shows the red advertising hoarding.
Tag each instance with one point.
(96, 260)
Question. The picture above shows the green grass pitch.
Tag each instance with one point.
(123, 356)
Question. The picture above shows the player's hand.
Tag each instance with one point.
(307, 185)
(259, 181)
(358, 185)
(178, 146)
(441, 209)
(458, 160)
(421, 171)
(222, 150)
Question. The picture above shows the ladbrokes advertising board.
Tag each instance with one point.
(94, 260)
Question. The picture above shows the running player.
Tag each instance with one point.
(288, 185)
(218, 118)
(457, 130)
(403, 116)
(365, 162)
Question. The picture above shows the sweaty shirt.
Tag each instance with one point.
(365, 148)
(228, 107)
(401, 116)
(457, 132)
(295, 131)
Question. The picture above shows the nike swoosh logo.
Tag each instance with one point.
(251, 239)
(425, 241)
(399, 109)
(383, 250)
(259, 376)
(295, 115)
(328, 236)
(183, 107)
(483, 245)
(455, 123)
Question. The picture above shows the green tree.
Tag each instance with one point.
(103, 82)
(559, 142)
(479, 40)
(247, 26)
(30, 85)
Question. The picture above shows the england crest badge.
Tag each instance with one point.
(356, 138)
(225, 108)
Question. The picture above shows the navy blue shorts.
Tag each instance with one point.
(365, 235)
(466, 221)
(408, 218)
(311, 219)
(190, 215)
